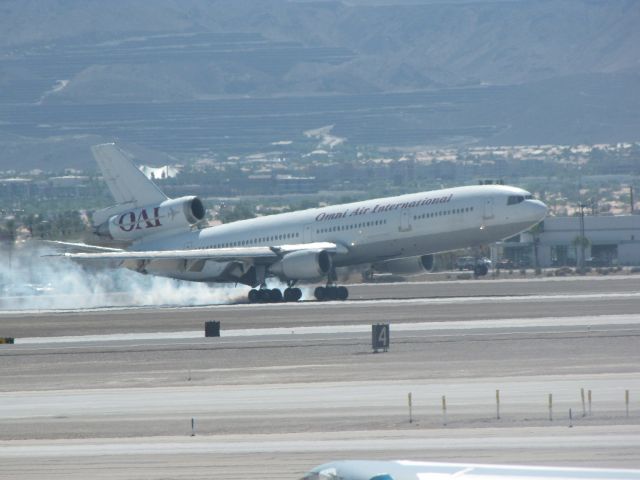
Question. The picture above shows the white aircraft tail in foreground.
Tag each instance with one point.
(393, 234)
(410, 470)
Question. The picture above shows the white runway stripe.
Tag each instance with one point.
(202, 445)
(359, 303)
(509, 323)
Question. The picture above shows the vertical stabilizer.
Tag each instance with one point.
(127, 183)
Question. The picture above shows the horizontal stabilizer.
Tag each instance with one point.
(78, 247)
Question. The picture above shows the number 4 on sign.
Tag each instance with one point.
(382, 337)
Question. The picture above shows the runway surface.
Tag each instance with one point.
(111, 393)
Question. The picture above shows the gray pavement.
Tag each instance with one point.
(269, 404)
(421, 301)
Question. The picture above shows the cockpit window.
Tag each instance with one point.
(528, 197)
(513, 199)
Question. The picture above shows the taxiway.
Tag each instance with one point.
(110, 393)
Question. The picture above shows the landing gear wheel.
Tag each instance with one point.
(254, 296)
(331, 293)
(480, 270)
(320, 293)
(275, 295)
(265, 295)
(292, 294)
(288, 295)
(342, 293)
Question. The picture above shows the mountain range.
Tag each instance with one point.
(487, 72)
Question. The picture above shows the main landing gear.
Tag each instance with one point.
(331, 293)
(274, 295)
(271, 295)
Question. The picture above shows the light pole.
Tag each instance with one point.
(582, 239)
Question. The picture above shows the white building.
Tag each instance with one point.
(611, 240)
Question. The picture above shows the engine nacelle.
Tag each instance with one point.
(406, 266)
(302, 265)
(170, 215)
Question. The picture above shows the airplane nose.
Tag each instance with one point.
(539, 209)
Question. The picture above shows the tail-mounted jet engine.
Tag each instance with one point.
(172, 214)
(405, 266)
(302, 265)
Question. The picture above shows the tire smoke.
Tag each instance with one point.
(29, 280)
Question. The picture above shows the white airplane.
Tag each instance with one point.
(410, 470)
(399, 234)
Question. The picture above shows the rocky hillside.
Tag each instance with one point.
(122, 52)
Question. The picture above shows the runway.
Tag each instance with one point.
(408, 302)
(111, 393)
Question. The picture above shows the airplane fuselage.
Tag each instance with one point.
(369, 231)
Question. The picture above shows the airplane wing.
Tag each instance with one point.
(251, 254)
(410, 470)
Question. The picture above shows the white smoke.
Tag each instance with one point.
(31, 281)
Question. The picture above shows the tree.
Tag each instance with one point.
(580, 243)
(535, 232)
(10, 230)
(240, 211)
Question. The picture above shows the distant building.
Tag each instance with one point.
(68, 181)
(278, 184)
(611, 240)
(12, 187)
(160, 173)
(294, 184)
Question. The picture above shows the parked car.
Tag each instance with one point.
(596, 262)
(505, 264)
(480, 266)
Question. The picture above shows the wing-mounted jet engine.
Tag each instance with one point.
(405, 266)
(302, 265)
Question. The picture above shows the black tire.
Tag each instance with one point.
(289, 295)
(342, 293)
(481, 270)
(256, 296)
(265, 296)
(275, 295)
(320, 293)
(292, 294)
(332, 293)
